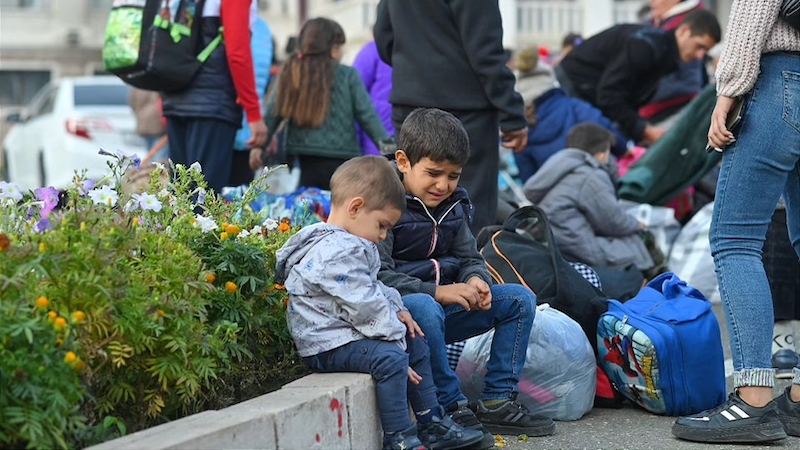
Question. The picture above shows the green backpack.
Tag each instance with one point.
(156, 44)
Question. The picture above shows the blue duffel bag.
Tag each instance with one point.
(662, 349)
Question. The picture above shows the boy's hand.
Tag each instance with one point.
(413, 376)
(410, 323)
(485, 303)
(459, 293)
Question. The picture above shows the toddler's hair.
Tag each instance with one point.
(306, 82)
(590, 137)
(372, 178)
(434, 134)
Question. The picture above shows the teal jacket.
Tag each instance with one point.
(336, 137)
(677, 160)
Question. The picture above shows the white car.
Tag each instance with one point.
(64, 127)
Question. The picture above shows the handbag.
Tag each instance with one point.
(790, 12)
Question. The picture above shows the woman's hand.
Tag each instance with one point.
(718, 135)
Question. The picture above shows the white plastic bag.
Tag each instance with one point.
(559, 377)
(690, 257)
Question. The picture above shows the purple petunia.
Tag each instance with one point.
(49, 196)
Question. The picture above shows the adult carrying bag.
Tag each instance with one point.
(156, 44)
(790, 12)
(524, 252)
(662, 349)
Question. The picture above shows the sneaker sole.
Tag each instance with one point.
(546, 430)
(485, 443)
(791, 425)
(784, 374)
(454, 445)
(765, 432)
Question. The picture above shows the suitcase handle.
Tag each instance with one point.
(673, 287)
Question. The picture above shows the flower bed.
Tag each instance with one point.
(121, 310)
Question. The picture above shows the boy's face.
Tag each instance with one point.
(692, 47)
(372, 225)
(430, 181)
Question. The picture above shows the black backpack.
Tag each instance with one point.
(523, 251)
(156, 44)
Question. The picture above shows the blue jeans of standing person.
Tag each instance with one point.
(388, 364)
(762, 164)
(511, 317)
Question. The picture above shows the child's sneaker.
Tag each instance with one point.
(789, 413)
(463, 415)
(784, 361)
(732, 421)
(513, 418)
(444, 434)
(403, 440)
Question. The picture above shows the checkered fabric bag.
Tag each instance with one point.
(588, 273)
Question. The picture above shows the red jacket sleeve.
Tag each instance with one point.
(235, 17)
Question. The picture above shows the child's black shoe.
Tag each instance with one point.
(444, 434)
(403, 440)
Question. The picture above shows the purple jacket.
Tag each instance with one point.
(377, 77)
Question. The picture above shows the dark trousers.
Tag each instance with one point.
(240, 168)
(479, 175)
(782, 268)
(316, 171)
(388, 364)
(207, 141)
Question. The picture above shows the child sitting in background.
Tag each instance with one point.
(342, 319)
(575, 190)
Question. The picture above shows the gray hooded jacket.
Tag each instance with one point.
(334, 294)
(589, 226)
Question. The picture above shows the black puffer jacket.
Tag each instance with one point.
(212, 93)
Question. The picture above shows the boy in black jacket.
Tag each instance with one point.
(432, 251)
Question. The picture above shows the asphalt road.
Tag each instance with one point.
(634, 428)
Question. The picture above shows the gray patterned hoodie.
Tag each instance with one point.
(334, 293)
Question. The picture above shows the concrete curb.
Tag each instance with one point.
(319, 411)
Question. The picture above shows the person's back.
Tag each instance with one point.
(322, 101)
(432, 252)
(575, 190)
(343, 319)
(377, 78)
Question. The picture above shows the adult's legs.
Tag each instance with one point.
(756, 169)
(207, 141)
(316, 171)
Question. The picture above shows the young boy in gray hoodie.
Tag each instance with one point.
(342, 319)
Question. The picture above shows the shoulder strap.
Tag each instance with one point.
(533, 222)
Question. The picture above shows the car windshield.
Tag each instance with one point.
(101, 95)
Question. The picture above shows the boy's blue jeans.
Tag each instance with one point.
(511, 317)
(388, 364)
(762, 165)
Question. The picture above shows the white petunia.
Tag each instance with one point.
(10, 190)
(104, 196)
(148, 201)
(242, 234)
(196, 166)
(206, 224)
(270, 224)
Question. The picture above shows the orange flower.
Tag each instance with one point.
(230, 287)
(42, 302)
(283, 226)
(223, 235)
(210, 277)
(233, 230)
(59, 342)
(79, 316)
(70, 357)
(224, 225)
(160, 313)
(280, 287)
(52, 315)
(79, 365)
(60, 322)
(5, 242)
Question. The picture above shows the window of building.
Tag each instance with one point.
(23, 4)
(17, 87)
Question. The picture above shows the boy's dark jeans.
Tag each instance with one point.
(511, 317)
(388, 365)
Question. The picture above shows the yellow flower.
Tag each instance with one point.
(42, 302)
(52, 315)
(223, 235)
(60, 322)
(59, 342)
(233, 230)
(230, 287)
(70, 357)
(160, 313)
(135, 221)
(210, 277)
(83, 226)
(224, 225)
(79, 316)
(41, 247)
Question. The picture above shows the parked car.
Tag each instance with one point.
(64, 127)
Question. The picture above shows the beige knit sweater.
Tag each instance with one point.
(753, 29)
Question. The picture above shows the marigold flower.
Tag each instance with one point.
(233, 230)
(135, 221)
(280, 287)
(41, 247)
(210, 277)
(283, 226)
(42, 302)
(52, 315)
(230, 287)
(5, 242)
(79, 316)
(70, 357)
(60, 322)
(224, 225)
(160, 313)
(223, 235)
(79, 365)
(59, 342)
